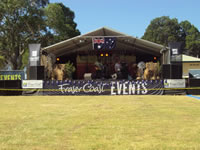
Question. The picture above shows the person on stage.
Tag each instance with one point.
(99, 69)
(118, 68)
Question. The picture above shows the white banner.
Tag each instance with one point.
(32, 84)
(174, 83)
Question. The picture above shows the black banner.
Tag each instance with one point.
(92, 87)
(176, 51)
(12, 75)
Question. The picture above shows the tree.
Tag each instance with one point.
(28, 21)
(192, 38)
(21, 22)
(2, 62)
(69, 69)
(60, 20)
(163, 30)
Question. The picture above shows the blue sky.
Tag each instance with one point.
(130, 16)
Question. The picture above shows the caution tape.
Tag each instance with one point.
(57, 90)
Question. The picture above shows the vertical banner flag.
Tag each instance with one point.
(176, 51)
(100, 43)
(175, 47)
(34, 54)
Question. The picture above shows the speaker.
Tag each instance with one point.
(12, 84)
(166, 71)
(36, 73)
(2, 84)
(12, 87)
(194, 83)
(177, 71)
(172, 71)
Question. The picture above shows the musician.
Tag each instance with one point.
(118, 68)
(132, 69)
(99, 68)
(124, 70)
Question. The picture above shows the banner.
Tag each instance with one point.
(103, 43)
(176, 51)
(174, 83)
(12, 75)
(34, 54)
(175, 48)
(91, 87)
(32, 84)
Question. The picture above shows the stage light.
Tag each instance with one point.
(154, 58)
(101, 55)
(106, 54)
(57, 59)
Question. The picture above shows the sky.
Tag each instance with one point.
(131, 17)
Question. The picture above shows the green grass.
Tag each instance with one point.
(99, 123)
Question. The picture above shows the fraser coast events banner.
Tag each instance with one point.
(92, 87)
(11, 75)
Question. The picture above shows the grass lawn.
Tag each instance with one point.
(99, 123)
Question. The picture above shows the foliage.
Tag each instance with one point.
(163, 30)
(60, 21)
(2, 62)
(159, 67)
(25, 59)
(69, 69)
(28, 21)
(192, 38)
(21, 23)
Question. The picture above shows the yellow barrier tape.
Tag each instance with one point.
(43, 90)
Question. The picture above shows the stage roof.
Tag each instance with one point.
(124, 42)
